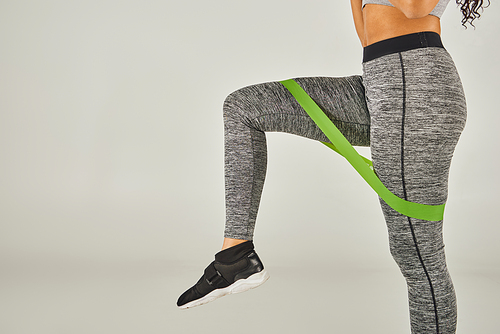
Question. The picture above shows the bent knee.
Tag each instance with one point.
(233, 104)
(240, 106)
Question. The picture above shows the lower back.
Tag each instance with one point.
(383, 22)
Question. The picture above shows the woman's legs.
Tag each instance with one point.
(418, 113)
(253, 110)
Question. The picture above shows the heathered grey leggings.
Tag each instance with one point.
(409, 107)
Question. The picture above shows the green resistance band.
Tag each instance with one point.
(364, 166)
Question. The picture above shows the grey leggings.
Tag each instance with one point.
(409, 107)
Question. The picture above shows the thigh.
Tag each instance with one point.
(270, 107)
(418, 112)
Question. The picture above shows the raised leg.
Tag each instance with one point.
(254, 110)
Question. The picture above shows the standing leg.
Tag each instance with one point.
(418, 112)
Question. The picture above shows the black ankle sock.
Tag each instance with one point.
(234, 253)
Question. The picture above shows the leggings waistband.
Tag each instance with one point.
(402, 43)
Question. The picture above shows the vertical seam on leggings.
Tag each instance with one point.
(252, 193)
(406, 196)
(403, 128)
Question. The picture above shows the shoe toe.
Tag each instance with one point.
(188, 296)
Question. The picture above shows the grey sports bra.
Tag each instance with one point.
(437, 11)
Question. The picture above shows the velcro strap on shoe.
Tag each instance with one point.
(214, 278)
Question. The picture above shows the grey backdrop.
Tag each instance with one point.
(111, 188)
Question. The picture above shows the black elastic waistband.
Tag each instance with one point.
(402, 43)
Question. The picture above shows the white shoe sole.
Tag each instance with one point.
(240, 285)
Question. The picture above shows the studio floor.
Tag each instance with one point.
(46, 297)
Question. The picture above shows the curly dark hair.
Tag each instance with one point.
(470, 9)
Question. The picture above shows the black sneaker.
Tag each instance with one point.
(236, 269)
